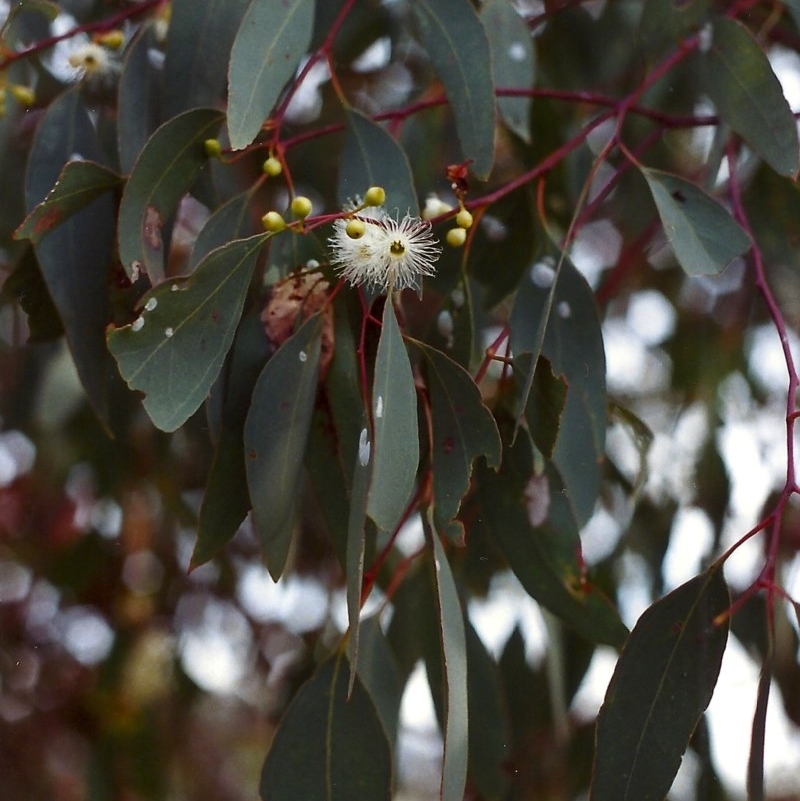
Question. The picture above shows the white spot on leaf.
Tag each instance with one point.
(151, 304)
(302, 356)
(564, 310)
(543, 274)
(516, 51)
(137, 324)
(379, 406)
(364, 448)
(168, 332)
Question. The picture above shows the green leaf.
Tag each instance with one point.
(513, 62)
(663, 682)
(380, 675)
(174, 350)
(748, 95)
(395, 444)
(532, 523)
(454, 653)
(458, 47)
(662, 25)
(230, 221)
(755, 763)
(489, 727)
(272, 39)
(546, 402)
(226, 501)
(275, 437)
(463, 429)
(356, 545)
(201, 34)
(703, 235)
(573, 344)
(79, 183)
(329, 747)
(138, 98)
(372, 157)
(165, 170)
(75, 258)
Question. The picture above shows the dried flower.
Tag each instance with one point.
(383, 252)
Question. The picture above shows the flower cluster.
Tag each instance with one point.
(384, 252)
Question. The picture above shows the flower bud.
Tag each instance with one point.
(112, 39)
(376, 196)
(272, 167)
(301, 207)
(213, 148)
(464, 219)
(24, 95)
(355, 228)
(456, 237)
(272, 221)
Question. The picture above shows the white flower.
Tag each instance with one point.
(79, 58)
(376, 249)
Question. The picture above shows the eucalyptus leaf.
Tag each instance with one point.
(513, 62)
(372, 157)
(454, 654)
(199, 41)
(703, 235)
(742, 85)
(75, 257)
(174, 350)
(164, 171)
(395, 438)
(331, 745)
(79, 183)
(456, 41)
(272, 38)
(275, 436)
(663, 682)
(463, 429)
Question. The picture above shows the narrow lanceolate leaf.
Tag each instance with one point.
(138, 98)
(572, 341)
(703, 235)
(454, 653)
(275, 435)
(165, 170)
(273, 37)
(748, 95)
(201, 33)
(356, 541)
(458, 47)
(463, 429)
(79, 183)
(663, 682)
(513, 62)
(329, 747)
(755, 763)
(372, 157)
(395, 445)
(74, 257)
(174, 350)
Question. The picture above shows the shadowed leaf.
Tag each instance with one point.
(275, 435)
(329, 747)
(662, 684)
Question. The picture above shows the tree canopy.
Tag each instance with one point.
(396, 302)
